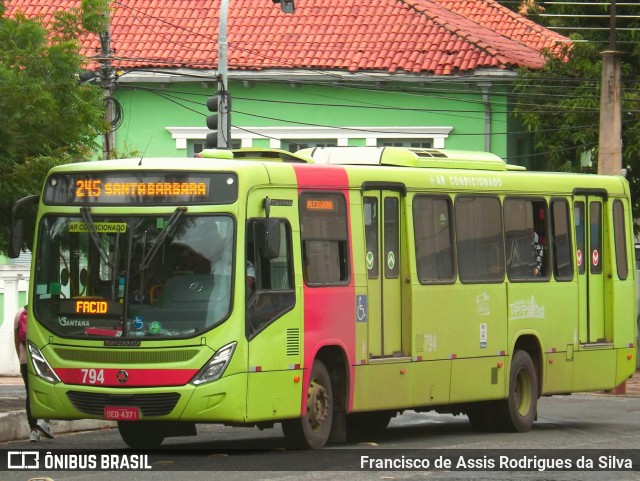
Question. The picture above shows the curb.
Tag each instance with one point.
(14, 426)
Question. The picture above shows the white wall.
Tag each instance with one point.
(13, 280)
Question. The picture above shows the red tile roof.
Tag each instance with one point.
(494, 16)
(435, 37)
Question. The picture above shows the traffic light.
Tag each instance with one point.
(220, 121)
(287, 6)
(213, 103)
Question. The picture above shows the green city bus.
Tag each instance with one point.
(326, 290)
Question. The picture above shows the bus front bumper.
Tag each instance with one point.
(223, 400)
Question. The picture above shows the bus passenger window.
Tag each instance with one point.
(323, 229)
(620, 237)
(434, 239)
(526, 239)
(479, 239)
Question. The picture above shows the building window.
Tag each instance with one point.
(196, 146)
(407, 143)
(299, 144)
(296, 138)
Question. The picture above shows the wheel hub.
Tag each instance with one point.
(317, 404)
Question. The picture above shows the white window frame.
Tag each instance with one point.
(370, 134)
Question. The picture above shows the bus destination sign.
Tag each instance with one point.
(89, 306)
(125, 188)
(320, 204)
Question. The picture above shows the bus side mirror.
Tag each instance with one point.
(17, 238)
(272, 238)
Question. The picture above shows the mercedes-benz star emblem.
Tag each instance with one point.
(122, 376)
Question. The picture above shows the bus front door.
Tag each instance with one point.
(382, 233)
(588, 224)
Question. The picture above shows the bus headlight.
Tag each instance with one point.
(40, 364)
(214, 369)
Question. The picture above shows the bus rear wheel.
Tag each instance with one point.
(518, 411)
(141, 436)
(311, 431)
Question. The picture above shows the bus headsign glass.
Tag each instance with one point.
(126, 188)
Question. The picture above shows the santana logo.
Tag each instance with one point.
(65, 321)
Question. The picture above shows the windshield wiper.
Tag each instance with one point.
(161, 237)
(91, 228)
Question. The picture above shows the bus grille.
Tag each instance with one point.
(149, 404)
(121, 356)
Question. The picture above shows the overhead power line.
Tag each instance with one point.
(446, 94)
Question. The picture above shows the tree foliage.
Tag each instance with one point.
(560, 103)
(46, 116)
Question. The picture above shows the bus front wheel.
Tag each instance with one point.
(140, 436)
(518, 411)
(311, 431)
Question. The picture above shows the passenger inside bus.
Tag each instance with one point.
(538, 254)
(525, 234)
(251, 278)
(538, 247)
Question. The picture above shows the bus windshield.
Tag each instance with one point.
(133, 277)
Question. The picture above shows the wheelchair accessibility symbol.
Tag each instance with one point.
(361, 308)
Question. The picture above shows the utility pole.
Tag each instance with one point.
(106, 78)
(220, 104)
(610, 141)
(224, 98)
(220, 121)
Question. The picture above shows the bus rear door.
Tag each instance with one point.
(382, 232)
(589, 225)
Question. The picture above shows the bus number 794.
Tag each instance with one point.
(92, 376)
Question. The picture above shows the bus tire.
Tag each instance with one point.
(140, 436)
(312, 430)
(518, 411)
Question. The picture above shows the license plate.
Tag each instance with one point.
(118, 413)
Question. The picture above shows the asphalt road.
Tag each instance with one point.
(567, 427)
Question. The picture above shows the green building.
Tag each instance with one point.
(423, 73)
